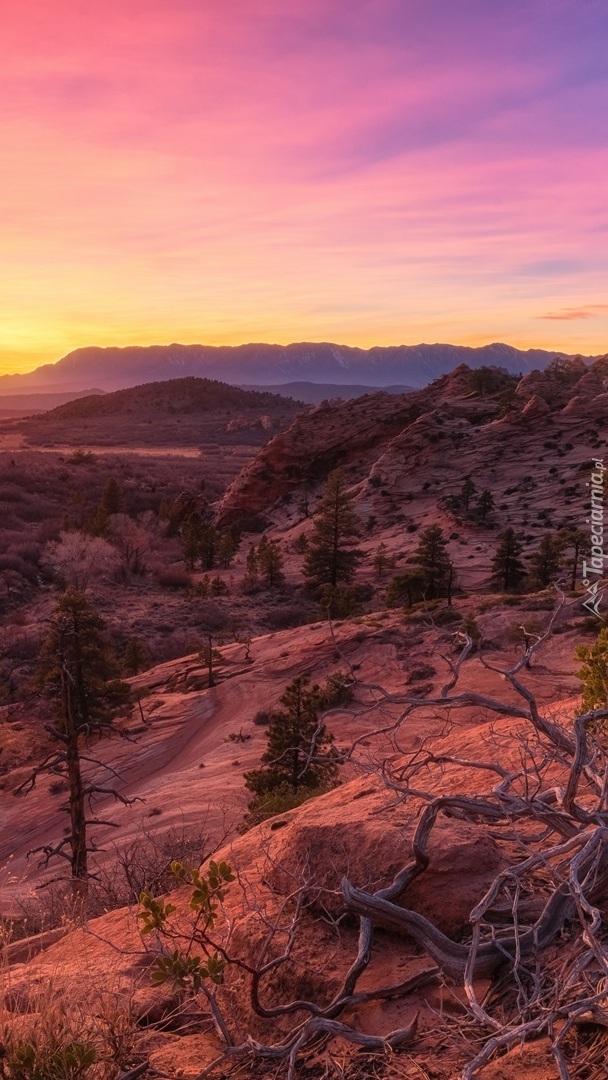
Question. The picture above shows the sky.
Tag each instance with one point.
(372, 173)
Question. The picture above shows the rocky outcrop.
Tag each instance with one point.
(536, 406)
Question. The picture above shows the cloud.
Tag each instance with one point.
(566, 314)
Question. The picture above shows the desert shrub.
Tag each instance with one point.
(338, 690)
(290, 615)
(588, 625)
(214, 618)
(446, 616)
(173, 578)
(262, 718)
(276, 802)
(421, 671)
(339, 601)
(541, 603)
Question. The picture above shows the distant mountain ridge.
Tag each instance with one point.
(115, 368)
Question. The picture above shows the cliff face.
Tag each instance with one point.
(450, 430)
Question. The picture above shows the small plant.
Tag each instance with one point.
(338, 690)
(182, 967)
(29, 1060)
(594, 672)
(56, 1045)
(238, 736)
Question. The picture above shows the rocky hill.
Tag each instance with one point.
(529, 441)
(177, 412)
(320, 362)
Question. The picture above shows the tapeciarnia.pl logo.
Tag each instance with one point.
(593, 570)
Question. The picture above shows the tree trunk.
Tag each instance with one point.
(78, 839)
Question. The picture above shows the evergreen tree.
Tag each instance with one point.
(78, 675)
(594, 672)
(469, 627)
(577, 542)
(191, 542)
(135, 657)
(467, 491)
(227, 547)
(218, 586)
(546, 562)
(113, 499)
(203, 588)
(332, 556)
(208, 546)
(432, 557)
(338, 602)
(382, 561)
(270, 562)
(209, 657)
(253, 564)
(407, 588)
(507, 567)
(485, 503)
(298, 753)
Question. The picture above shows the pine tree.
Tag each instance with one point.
(209, 657)
(507, 567)
(227, 547)
(270, 562)
(432, 557)
(546, 562)
(594, 672)
(113, 499)
(469, 627)
(135, 657)
(577, 542)
(208, 546)
(253, 564)
(338, 602)
(407, 588)
(485, 503)
(298, 753)
(78, 675)
(191, 542)
(218, 586)
(467, 491)
(382, 561)
(332, 556)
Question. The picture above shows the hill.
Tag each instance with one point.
(178, 412)
(314, 393)
(320, 362)
(404, 454)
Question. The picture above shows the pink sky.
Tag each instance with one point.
(383, 172)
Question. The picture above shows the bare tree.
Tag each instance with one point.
(79, 558)
(133, 540)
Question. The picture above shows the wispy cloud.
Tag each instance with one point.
(567, 314)
(373, 172)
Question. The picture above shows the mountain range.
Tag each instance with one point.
(116, 368)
